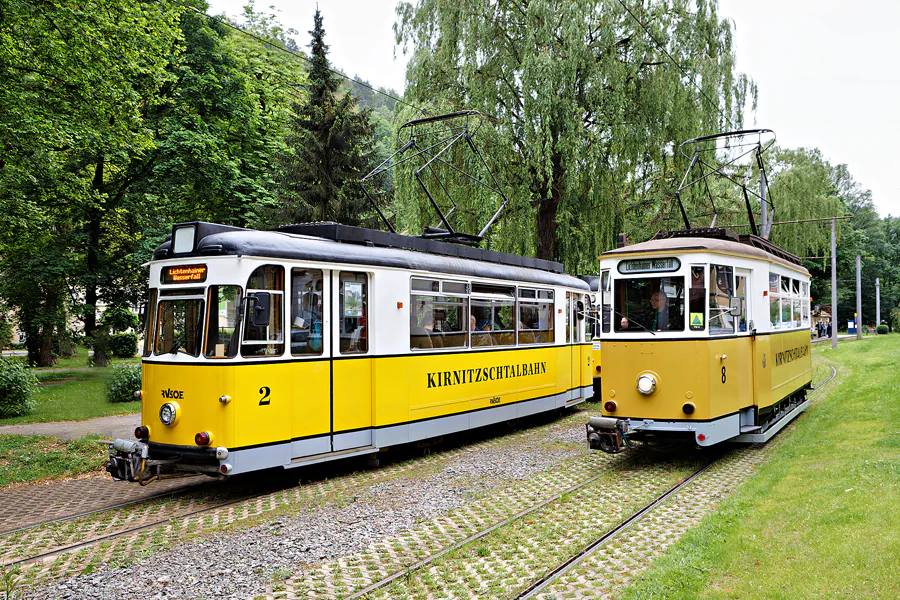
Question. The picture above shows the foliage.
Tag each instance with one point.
(120, 318)
(29, 458)
(882, 329)
(123, 345)
(17, 388)
(123, 383)
(586, 107)
(330, 147)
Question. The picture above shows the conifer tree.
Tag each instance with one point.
(331, 146)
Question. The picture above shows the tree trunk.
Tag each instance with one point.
(45, 352)
(92, 259)
(546, 217)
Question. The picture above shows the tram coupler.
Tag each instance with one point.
(606, 434)
(127, 459)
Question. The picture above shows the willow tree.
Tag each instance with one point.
(586, 104)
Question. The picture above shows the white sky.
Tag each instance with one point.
(826, 70)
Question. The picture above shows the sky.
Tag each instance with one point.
(825, 69)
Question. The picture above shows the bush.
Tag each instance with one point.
(120, 318)
(882, 329)
(123, 345)
(17, 388)
(123, 383)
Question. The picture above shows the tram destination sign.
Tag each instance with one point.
(649, 265)
(184, 274)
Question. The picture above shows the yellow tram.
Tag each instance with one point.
(705, 337)
(315, 342)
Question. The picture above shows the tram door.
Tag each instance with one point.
(351, 362)
(574, 350)
(745, 360)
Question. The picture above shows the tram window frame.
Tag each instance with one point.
(697, 297)
(606, 300)
(530, 299)
(312, 312)
(774, 301)
(420, 337)
(149, 323)
(359, 337)
(804, 304)
(198, 327)
(639, 317)
(490, 300)
(270, 346)
(717, 275)
(229, 349)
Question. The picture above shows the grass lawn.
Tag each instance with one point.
(27, 458)
(821, 519)
(79, 360)
(73, 396)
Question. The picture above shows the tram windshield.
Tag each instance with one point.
(179, 325)
(649, 304)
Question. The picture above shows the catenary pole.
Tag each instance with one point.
(833, 285)
(858, 319)
(877, 302)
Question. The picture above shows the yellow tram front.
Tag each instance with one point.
(704, 339)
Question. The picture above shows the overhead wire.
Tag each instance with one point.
(272, 44)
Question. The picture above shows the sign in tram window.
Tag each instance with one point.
(697, 308)
(649, 265)
(184, 274)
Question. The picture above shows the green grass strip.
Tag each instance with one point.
(28, 458)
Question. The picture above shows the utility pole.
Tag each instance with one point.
(858, 319)
(833, 284)
(764, 213)
(877, 303)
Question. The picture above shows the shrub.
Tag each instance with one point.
(120, 318)
(123, 383)
(17, 388)
(882, 329)
(123, 345)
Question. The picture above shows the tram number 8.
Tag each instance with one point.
(723, 375)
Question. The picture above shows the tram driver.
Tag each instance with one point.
(659, 313)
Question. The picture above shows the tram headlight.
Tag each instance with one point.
(646, 384)
(168, 413)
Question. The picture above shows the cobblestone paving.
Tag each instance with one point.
(136, 546)
(25, 506)
(614, 565)
(619, 490)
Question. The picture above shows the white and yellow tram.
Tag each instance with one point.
(311, 343)
(705, 337)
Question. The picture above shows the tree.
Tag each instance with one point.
(330, 147)
(587, 105)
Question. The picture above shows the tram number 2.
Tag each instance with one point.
(723, 375)
(264, 401)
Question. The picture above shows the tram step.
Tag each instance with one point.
(750, 428)
(316, 458)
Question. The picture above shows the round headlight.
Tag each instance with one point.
(167, 413)
(646, 384)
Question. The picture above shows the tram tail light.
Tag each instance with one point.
(203, 438)
(688, 408)
(609, 406)
(701, 436)
(142, 432)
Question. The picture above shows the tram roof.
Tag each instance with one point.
(223, 240)
(703, 244)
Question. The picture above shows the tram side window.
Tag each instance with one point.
(804, 303)
(721, 289)
(149, 320)
(795, 303)
(786, 303)
(649, 304)
(354, 307)
(697, 299)
(268, 339)
(438, 322)
(178, 325)
(306, 312)
(222, 331)
(536, 317)
(774, 299)
(606, 300)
